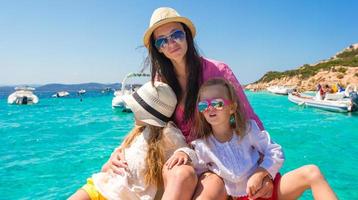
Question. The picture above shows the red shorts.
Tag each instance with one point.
(276, 181)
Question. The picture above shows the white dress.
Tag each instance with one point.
(236, 160)
(131, 185)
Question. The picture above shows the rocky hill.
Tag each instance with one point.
(342, 68)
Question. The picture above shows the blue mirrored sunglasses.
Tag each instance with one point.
(163, 42)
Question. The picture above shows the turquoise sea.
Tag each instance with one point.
(48, 150)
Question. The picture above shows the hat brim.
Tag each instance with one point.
(140, 113)
(184, 20)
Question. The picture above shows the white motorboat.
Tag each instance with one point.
(126, 89)
(342, 105)
(23, 96)
(283, 90)
(61, 94)
(81, 91)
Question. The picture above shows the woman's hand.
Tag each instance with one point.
(178, 158)
(116, 162)
(259, 185)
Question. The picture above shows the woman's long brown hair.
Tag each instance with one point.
(155, 154)
(202, 128)
(161, 66)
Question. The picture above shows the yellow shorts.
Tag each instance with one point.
(92, 191)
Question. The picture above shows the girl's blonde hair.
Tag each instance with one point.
(155, 154)
(203, 129)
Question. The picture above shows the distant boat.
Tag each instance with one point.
(23, 96)
(283, 90)
(117, 101)
(81, 91)
(61, 94)
(342, 105)
(106, 90)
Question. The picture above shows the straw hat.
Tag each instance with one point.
(152, 105)
(162, 16)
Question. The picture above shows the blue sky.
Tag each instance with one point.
(66, 41)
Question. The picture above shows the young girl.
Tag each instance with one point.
(230, 146)
(146, 148)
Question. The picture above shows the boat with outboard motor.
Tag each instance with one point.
(126, 89)
(349, 89)
(346, 104)
(23, 96)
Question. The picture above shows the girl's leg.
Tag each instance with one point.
(295, 182)
(80, 195)
(210, 187)
(179, 182)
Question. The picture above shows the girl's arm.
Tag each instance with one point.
(201, 164)
(273, 154)
(176, 147)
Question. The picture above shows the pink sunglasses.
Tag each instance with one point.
(217, 103)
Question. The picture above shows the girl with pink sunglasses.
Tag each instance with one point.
(230, 145)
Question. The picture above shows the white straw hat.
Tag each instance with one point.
(164, 15)
(152, 105)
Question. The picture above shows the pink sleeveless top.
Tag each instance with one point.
(213, 69)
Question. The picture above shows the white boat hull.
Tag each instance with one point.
(61, 94)
(81, 91)
(344, 105)
(21, 99)
(118, 103)
(282, 90)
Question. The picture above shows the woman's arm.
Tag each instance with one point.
(230, 76)
(116, 162)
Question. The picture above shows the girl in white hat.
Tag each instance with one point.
(151, 142)
(175, 60)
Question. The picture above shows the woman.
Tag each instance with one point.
(175, 60)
